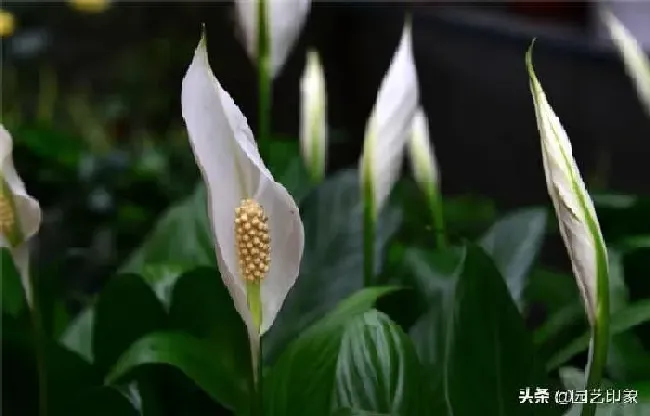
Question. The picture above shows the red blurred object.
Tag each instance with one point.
(558, 11)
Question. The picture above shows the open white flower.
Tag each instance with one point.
(285, 19)
(20, 214)
(635, 60)
(256, 226)
(313, 116)
(390, 123)
(574, 208)
(421, 155)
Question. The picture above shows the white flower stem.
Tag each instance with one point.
(600, 333)
(39, 347)
(369, 232)
(263, 78)
(434, 201)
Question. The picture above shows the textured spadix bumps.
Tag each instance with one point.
(20, 214)
(574, 208)
(257, 231)
(253, 241)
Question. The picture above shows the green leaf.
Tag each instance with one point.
(559, 293)
(513, 243)
(77, 337)
(126, 310)
(332, 263)
(102, 401)
(301, 381)
(13, 295)
(181, 237)
(202, 306)
(378, 369)
(65, 372)
(162, 278)
(44, 142)
(474, 329)
(192, 356)
(626, 318)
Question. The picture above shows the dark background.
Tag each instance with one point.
(473, 87)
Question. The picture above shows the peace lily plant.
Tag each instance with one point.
(256, 227)
(387, 131)
(334, 349)
(579, 229)
(270, 29)
(20, 214)
(313, 117)
(634, 57)
(426, 173)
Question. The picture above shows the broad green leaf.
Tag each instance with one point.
(629, 317)
(126, 310)
(181, 237)
(473, 329)
(513, 243)
(77, 337)
(102, 401)
(558, 293)
(202, 306)
(13, 295)
(627, 358)
(301, 382)
(332, 263)
(162, 278)
(66, 372)
(192, 356)
(356, 412)
(378, 369)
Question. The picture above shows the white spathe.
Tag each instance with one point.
(231, 167)
(285, 19)
(421, 154)
(25, 212)
(574, 208)
(313, 116)
(390, 122)
(635, 60)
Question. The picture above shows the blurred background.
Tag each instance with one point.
(91, 94)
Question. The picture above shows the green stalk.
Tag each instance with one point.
(434, 201)
(600, 333)
(259, 396)
(39, 347)
(369, 229)
(256, 385)
(264, 78)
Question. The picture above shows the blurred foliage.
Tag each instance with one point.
(126, 241)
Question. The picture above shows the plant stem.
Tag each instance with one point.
(263, 78)
(39, 349)
(259, 393)
(437, 218)
(369, 233)
(599, 346)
